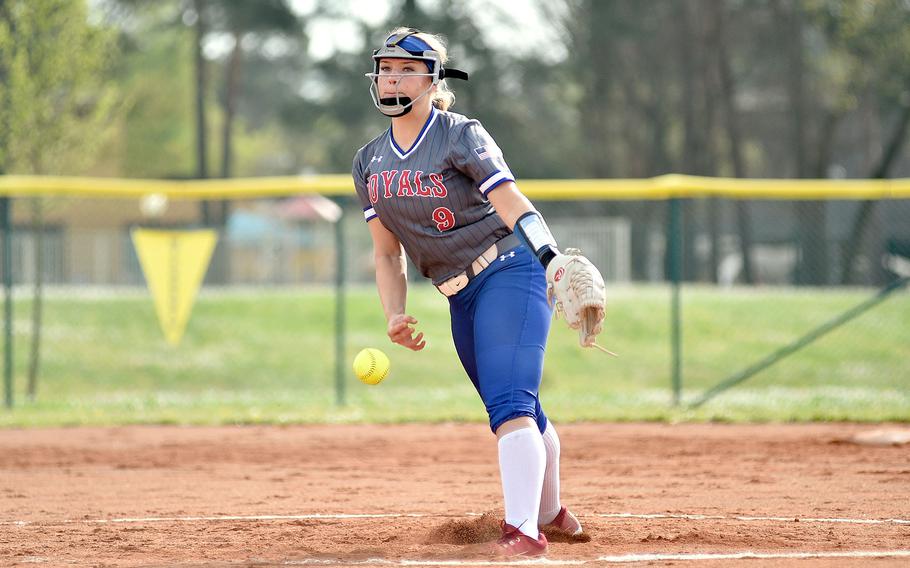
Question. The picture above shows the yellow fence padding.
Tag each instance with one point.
(658, 188)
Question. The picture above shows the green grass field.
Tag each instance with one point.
(267, 356)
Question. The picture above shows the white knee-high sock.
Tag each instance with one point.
(549, 496)
(522, 459)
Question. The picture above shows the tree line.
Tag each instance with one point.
(218, 88)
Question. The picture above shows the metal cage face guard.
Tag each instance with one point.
(400, 105)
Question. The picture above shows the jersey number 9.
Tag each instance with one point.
(444, 218)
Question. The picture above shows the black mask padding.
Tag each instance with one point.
(392, 101)
(453, 74)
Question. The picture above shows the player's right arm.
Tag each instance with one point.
(392, 283)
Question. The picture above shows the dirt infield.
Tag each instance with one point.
(787, 495)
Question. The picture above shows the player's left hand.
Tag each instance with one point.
(576, 287)
(400, 331)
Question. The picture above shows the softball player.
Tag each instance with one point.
(435, 185)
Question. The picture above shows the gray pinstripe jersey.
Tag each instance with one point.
(432, 196)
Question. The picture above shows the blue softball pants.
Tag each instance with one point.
(500, 323)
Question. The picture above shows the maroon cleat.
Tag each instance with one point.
(513, 542)
(566, 522)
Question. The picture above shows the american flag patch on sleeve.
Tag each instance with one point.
(488, 151)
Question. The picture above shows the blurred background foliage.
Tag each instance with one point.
(569, 88)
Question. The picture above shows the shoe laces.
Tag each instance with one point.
(510, 535)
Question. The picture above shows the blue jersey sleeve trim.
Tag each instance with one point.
(423, 132)
(496, 184)
(484, 180)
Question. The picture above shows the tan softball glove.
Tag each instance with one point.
(576, 287)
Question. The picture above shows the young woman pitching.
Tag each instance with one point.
(435, 185)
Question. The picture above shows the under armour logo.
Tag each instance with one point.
(505, 256)
(375, 159)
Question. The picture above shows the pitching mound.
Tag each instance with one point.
(466, 531)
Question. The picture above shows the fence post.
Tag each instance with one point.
(674, 241)
(340, 358)
(6, 223)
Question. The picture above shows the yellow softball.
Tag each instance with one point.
(371, 366)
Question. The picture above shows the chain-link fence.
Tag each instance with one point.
(724, 242)
(755, 278)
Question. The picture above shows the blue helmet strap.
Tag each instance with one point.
(398, 38)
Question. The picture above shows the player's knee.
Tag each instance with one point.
(503, 413)
(517, 423)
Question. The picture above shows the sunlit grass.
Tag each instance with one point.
(268, 355)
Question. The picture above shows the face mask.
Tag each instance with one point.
(407, 46)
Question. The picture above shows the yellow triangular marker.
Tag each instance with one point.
(174, 263)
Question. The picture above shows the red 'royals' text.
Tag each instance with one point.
(409, 184)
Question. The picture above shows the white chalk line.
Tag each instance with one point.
(313, 516)
(751, 518)
(613, 559)
(344, 516)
